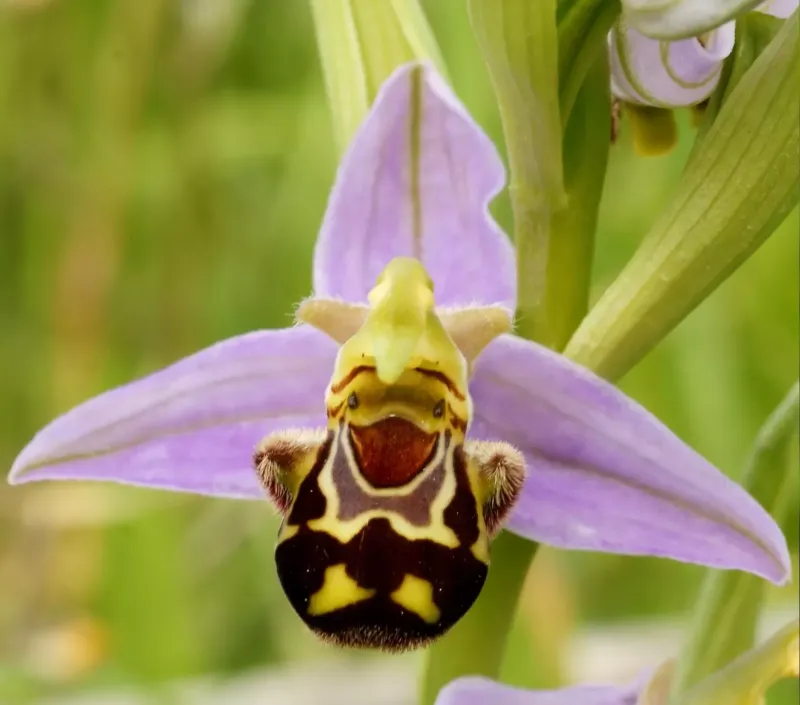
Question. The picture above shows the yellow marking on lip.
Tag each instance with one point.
(416, 595)
(480, 549)
(338, 590)
(287, 531)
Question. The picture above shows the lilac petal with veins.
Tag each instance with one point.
(192, 426)
(604, 474)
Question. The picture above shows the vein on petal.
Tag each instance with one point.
(175, 432)
(633, 448)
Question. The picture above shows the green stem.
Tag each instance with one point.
(571, 245)
(519, 42)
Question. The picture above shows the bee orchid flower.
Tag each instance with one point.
(398, 422)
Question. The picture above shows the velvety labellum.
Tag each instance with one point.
(390, 568)
(388, 512)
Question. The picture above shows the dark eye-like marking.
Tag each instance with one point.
(352, 401)
(438, 409)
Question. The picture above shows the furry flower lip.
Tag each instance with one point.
(603, 473)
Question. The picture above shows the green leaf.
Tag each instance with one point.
(361, 43)
(724, 622)
(740, 185)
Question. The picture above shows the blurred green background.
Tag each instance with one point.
(164, 167)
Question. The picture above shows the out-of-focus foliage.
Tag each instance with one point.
(164, 167)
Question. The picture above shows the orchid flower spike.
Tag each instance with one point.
(673, 74)
(395, 426)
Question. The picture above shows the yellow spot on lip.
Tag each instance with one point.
(480, 549)
(287, 531)
(338, 590)
(416, 595)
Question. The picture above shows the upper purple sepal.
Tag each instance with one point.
(417, 181)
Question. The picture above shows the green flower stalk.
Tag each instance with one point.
(519, 42)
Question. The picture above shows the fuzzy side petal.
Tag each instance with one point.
(194, 425)
(417, 181)
(604, 474)
(667, 74)
(482, 691)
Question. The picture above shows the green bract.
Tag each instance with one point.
(360, 43)
(583, 26)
